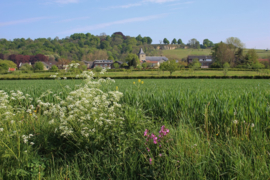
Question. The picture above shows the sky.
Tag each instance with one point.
(216, 20)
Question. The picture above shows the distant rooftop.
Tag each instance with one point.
(156, 58)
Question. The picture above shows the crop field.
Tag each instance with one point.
(134, 129)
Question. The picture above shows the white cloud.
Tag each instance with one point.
(103, 25)
(22, 21)
(72, 19)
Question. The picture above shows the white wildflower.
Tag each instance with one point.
(252, 125)
(1, 129)
(235, 121)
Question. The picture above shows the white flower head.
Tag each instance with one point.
(252, 125)
(235, 121)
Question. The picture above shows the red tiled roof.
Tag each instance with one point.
(262, 60)
(152, 62)
(12, 69)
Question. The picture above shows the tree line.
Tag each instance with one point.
(78, 47)
(192, 43)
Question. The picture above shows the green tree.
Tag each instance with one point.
(179, 41)
(10, 64)
(192, 43)
(226, 67)
(39, 66)
(131, 58)
(144, 65)
(251, 57)
(207, 43)
(3, 66)
(234, 42)
(116, 65)
(171, 66)
(97, 69)
(258, 66)
(110, 58)
(104, 45)
(174, 41)
(163, 66)
(165, 41)
(54, 68)
(26, 68)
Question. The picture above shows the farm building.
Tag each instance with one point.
(205, 61)
(155, 61)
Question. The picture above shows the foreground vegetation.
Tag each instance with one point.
(158, 129)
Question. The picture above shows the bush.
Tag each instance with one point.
(39, 66)
(54, 68)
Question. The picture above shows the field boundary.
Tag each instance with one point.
(149, 77)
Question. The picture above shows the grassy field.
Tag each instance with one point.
(214, 129)
(140, 73)
(183, 53)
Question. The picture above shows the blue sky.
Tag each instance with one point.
(216, 20)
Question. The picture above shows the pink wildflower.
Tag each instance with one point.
(155, 140)
(148, 149)
(145, 132)
(160, 155)
(150, 160)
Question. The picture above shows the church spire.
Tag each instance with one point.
(141, 51)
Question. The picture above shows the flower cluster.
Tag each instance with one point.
(152, 141)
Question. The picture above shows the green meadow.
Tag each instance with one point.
(184, 53)
(205, 129)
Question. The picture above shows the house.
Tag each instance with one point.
(21, 64)
(11, 69)
(155, 61)
(47, 65)
(89, 64)
(205, 61)
(103, 63)
(153, 64)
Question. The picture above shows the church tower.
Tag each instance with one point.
(141, 55)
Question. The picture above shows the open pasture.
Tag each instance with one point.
(217, 129)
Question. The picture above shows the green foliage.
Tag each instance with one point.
(251, 57)
(10, 64)
(26, 68)
(174, 41)
(39, 66)
(166, 41)
(144, 65)
(180, 41)
(226, 67)
(258, 65)
(170, 66)
(54, 68)
(132, 59)
(116, 65)
(3, 66)
(207, 43)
